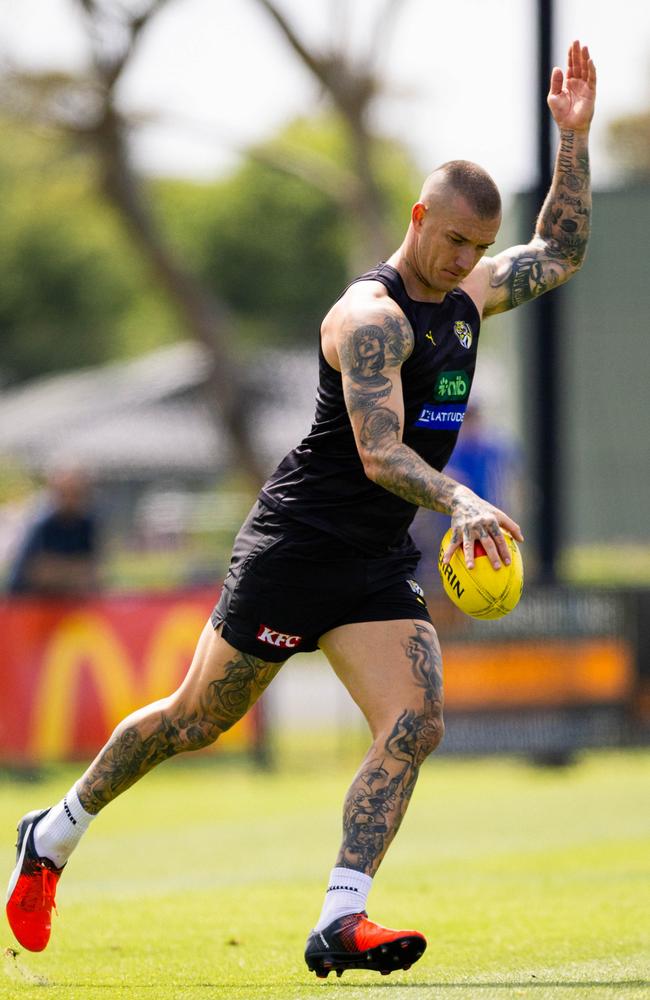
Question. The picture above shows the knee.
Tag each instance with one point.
(414, 735)
(431, 731)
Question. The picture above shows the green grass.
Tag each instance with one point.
(204, 881)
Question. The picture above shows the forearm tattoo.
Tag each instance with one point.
(561, 235)
(159, 731)
(407, 475)
(381, 791)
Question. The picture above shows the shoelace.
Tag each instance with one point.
(38, 890)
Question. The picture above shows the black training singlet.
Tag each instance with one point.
(322, 482)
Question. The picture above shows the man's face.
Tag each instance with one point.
(450, 240)
(369, 354)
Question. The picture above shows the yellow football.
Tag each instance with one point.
(482, 592)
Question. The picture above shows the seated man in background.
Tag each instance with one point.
(58, 555)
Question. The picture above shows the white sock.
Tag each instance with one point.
(59, 832)
(347, 892)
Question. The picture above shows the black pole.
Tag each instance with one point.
(546, 373)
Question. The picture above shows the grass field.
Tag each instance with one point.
(204, 881)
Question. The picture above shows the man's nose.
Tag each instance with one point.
(465, 258)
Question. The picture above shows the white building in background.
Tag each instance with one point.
(143, 431)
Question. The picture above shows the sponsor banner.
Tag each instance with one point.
(71, 671)
(527, 674)
(447, 417)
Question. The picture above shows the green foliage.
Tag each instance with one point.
(273, 252)
(68, 277)
(271, 243)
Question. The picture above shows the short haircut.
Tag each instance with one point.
(472, 182)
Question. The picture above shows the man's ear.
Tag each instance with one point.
(418, 213)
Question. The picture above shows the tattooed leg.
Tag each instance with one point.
(409, 674)
(220, 687)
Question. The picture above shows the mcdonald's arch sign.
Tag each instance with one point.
(70, 671)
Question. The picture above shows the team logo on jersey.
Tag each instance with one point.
(417, 590)
(464, 333)
(451, 387)
(275, 638)
(429, 336)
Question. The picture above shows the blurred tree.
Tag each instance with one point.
(353, 80)
(70, 283)
(85, 109)
(628, 139)
(273, 226)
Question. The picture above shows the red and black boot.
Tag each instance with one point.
(354, 942)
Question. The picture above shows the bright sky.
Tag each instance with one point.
(460, 74)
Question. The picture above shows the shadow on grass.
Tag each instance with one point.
(518, 984)
(566, 984)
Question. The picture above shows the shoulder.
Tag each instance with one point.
(362, 300)
(365, 315)
(477, 284)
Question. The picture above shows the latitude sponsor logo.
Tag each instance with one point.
(451, 387)
(464, 333)
(447, 417)
(281, 639)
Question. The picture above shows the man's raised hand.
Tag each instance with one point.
(572, 97)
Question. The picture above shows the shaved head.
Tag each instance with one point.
(467, 179)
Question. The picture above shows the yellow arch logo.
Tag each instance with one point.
(81, 640)
(86, 640)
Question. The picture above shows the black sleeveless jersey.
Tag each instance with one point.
(322, 482)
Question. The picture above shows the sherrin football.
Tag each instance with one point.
(482, 592)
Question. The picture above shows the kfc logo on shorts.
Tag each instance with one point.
(281, 639)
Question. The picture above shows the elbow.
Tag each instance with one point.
(573, 264)
(571, 252)
(372, 467)
(377, 464)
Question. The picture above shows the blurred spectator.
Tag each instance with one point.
(487, 462)
(59, 553)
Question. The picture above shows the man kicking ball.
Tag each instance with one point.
(325, 558)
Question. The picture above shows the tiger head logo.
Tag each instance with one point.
(464, 333)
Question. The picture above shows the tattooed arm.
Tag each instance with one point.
(372, 344)
(559, 245)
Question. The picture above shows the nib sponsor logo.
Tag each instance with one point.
(274, 638)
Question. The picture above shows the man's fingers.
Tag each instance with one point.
(591, 74)
(511, 527)
(503, 551)
(557, 79)
(468, 550)
(490, 535)
(454, 543)
(493, 543)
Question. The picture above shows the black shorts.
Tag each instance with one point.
(289, 583)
